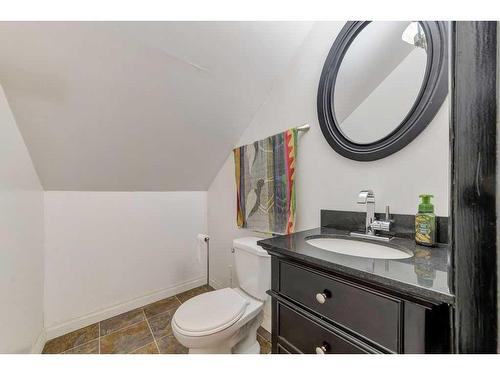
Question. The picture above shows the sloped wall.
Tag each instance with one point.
(21, 241)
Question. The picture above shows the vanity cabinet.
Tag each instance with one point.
(315, 310)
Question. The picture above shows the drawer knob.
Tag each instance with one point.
(321, 297)
(321, 349)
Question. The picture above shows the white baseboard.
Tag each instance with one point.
(38, 345)
(97, 316)
(216, 284)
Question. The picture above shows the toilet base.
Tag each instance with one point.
(254, 348)
(211, 350)
(247, 344)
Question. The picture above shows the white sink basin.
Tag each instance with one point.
(358, 248)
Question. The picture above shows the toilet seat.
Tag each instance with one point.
(209, 313)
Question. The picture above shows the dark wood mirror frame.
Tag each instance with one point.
(432, 94)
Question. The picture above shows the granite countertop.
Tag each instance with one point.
(425, 275)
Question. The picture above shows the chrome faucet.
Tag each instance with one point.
(367, 197)
(372, 226)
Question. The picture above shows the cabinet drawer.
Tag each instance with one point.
(283, 350)
(307, 335)
(371, 315)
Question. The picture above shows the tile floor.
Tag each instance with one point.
(145, 330)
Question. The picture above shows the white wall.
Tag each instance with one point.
(326, 180)
(109, 252)
(21, 241)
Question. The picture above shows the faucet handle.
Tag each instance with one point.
(366, 196)
(387, 213)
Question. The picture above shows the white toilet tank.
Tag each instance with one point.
(253, 267)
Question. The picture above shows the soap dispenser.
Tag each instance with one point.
(425, 222)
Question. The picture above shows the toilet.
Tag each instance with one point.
(226, 320)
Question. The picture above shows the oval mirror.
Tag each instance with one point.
(381, 85)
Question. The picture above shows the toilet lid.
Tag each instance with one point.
(210, 312)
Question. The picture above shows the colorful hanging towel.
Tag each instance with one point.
(265, 183)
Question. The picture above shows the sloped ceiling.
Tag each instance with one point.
(149, 106)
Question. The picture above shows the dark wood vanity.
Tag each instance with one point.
(329, 303)
(354, 317)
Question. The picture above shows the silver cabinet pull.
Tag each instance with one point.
(321, 349)
(321, 297)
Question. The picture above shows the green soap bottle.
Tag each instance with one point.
(425, 222)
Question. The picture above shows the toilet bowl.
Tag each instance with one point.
(217, 321)
(226, 320)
